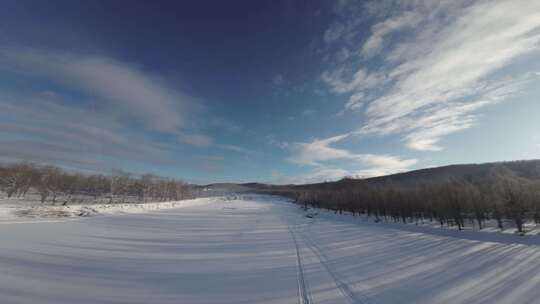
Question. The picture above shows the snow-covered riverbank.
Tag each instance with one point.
(30, 211)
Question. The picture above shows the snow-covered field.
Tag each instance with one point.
(259, 249)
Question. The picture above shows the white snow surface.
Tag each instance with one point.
(16, 211)
(259, 249)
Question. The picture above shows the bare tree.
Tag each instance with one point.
(120, 182)
(514, 197)
(16, 179)
(53, 182)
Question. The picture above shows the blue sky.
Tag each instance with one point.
(273, 91)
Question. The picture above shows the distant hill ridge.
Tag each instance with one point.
(529, 169)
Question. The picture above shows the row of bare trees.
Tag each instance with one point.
(51, 183)
(502, 197)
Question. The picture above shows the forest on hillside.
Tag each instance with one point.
(507, 193)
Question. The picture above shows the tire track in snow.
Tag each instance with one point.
(303, 294)
(351, 296)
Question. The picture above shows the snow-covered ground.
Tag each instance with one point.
(260, 249)
(24, 210)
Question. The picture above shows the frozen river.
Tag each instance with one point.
(256, 250)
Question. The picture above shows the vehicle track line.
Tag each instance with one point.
(303, 294)
(352, 297)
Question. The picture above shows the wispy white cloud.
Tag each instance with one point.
(116, 85)
(315, 176)
(43, 128)
(374, 165)
(334, 33)
(377, 165)
(380, 30)
(319, 152)
(356, 101)
(98, 112)
(272, 141)
(341, 82)
(439, 64)
(197, 140)
(236, 149)
(278, 80)
(308, 112)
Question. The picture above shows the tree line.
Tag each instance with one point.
(501, 196)
(51, 183)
